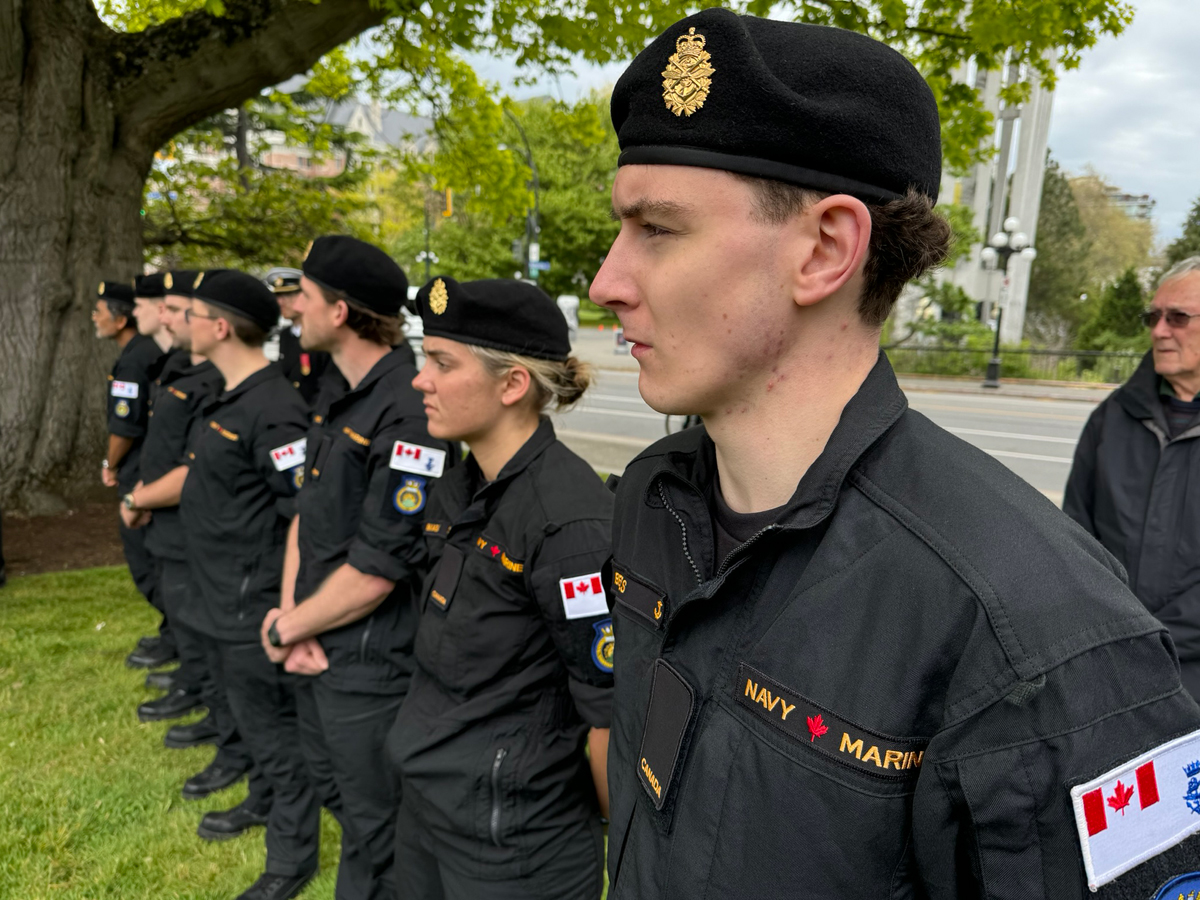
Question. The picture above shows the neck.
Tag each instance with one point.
(163, 338)
(237, 362)
(124, 336)
(1185, 384)
(196, 358)
(355, 357)
(768, 439)
(501, 443)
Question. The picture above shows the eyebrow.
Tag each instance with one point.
(645, 207)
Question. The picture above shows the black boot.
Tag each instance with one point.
(180, 737)
(276, 887)
(170, 706)
(161, 681)
(152, 658)
(229, 823)
(212, 779)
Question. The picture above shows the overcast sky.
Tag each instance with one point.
(1131, 110)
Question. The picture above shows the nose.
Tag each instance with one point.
(1161, 330)
(613, 286)
(422, 381)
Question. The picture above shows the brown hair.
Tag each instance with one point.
(247, 332)
(908, 237)
(384, 330)
(559, 382)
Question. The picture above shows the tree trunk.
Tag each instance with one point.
(82, 110)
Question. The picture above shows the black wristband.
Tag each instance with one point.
(273, 636)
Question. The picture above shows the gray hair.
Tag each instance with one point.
(1181, 268)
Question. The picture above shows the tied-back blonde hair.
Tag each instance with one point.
(561, 383)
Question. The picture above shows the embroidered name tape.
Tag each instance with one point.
(1139, 809)
(648, 603)
(418, 460)
(127, 389)
(494, 551)
(829, 734)
(289, 455)
(583, 596)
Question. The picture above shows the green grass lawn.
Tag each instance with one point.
(89, 797)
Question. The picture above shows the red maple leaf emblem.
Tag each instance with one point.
(495, 549)
(816, 727)
(1121, 797)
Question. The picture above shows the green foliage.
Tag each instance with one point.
(1188, 243)
(1116, 241)
(1060, 272)
(1114, 323)
(966, 235)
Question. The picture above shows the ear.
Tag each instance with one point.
(832, 238)
(516, 385)
(341, 312)
(223, 328)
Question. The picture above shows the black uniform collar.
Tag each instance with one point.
(265, 374)
(391, 361)
(542, 438)
(871, 412)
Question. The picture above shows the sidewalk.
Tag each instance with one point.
(599, 349)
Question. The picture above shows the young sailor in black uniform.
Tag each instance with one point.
(304, 367)
(356, 548)
(245, 462)
(856, 657)
(514, 646)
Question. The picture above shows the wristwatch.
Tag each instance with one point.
(127, 502)
(273, 636)
(104, 463)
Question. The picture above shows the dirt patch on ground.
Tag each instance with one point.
(77, 539)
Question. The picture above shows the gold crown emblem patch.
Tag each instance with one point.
(438, 297)
(100, 290)
(688, 76)
(168, 281)
(307, 250)
(196, 283)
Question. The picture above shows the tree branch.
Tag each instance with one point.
(173, 75)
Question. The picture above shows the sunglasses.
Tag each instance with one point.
(1175, 318)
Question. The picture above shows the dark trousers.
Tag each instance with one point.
(344, 735)
(144, 570)
(575, 872)
(263, 700)
(175, 590)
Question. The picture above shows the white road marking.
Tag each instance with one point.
(1011, 454)
(1013, 435)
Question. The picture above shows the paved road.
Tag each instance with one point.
(1033, 437)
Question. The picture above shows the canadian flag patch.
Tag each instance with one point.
(583, 596)
(418, 460)
(1139, 809)
(289, 455)
(127, 389)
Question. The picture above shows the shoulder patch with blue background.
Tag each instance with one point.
(1185, 886)
(603, 646)
(409, 497)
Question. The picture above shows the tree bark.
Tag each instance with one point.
(82, 110)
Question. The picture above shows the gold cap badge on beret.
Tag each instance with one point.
(168, 281)
(100, 290)
(438, 297)
(196, 283)
(687, 78)
(307, 250)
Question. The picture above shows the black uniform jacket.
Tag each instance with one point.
(1137, 490)
(357, 508)
(128, 401)
(889, 693)
(305, 369)
(175, 400)
(246, 463)
(514, 654)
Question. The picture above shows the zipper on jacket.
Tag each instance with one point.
(494, 823)
(242, 596)
(366, 635)
(683, 532)
(736, 550)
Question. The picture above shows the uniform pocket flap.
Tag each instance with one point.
(671, 702)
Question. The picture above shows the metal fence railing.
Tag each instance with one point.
(1097, 366)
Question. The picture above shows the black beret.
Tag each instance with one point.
(282, 280)
(116, 292)
(362, 272)
(179, 282)
(498, 313)
(810, 105)
(238, 293)
(150, 286)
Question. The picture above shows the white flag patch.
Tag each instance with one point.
(127, 389)
(583, 596)
(418, 460)
(1139, 809)
(289, 455)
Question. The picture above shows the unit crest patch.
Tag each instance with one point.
(603, 646)
(409, 498)
(298, 477)
(122, 408)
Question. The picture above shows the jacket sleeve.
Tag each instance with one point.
(992, 813)
(129, 397)
(564, 576)
(1079, 498)
(390, 541)
(278, 451)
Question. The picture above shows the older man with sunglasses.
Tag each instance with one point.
(1135, 482)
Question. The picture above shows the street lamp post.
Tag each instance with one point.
(1000, 249)
(531, 219)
